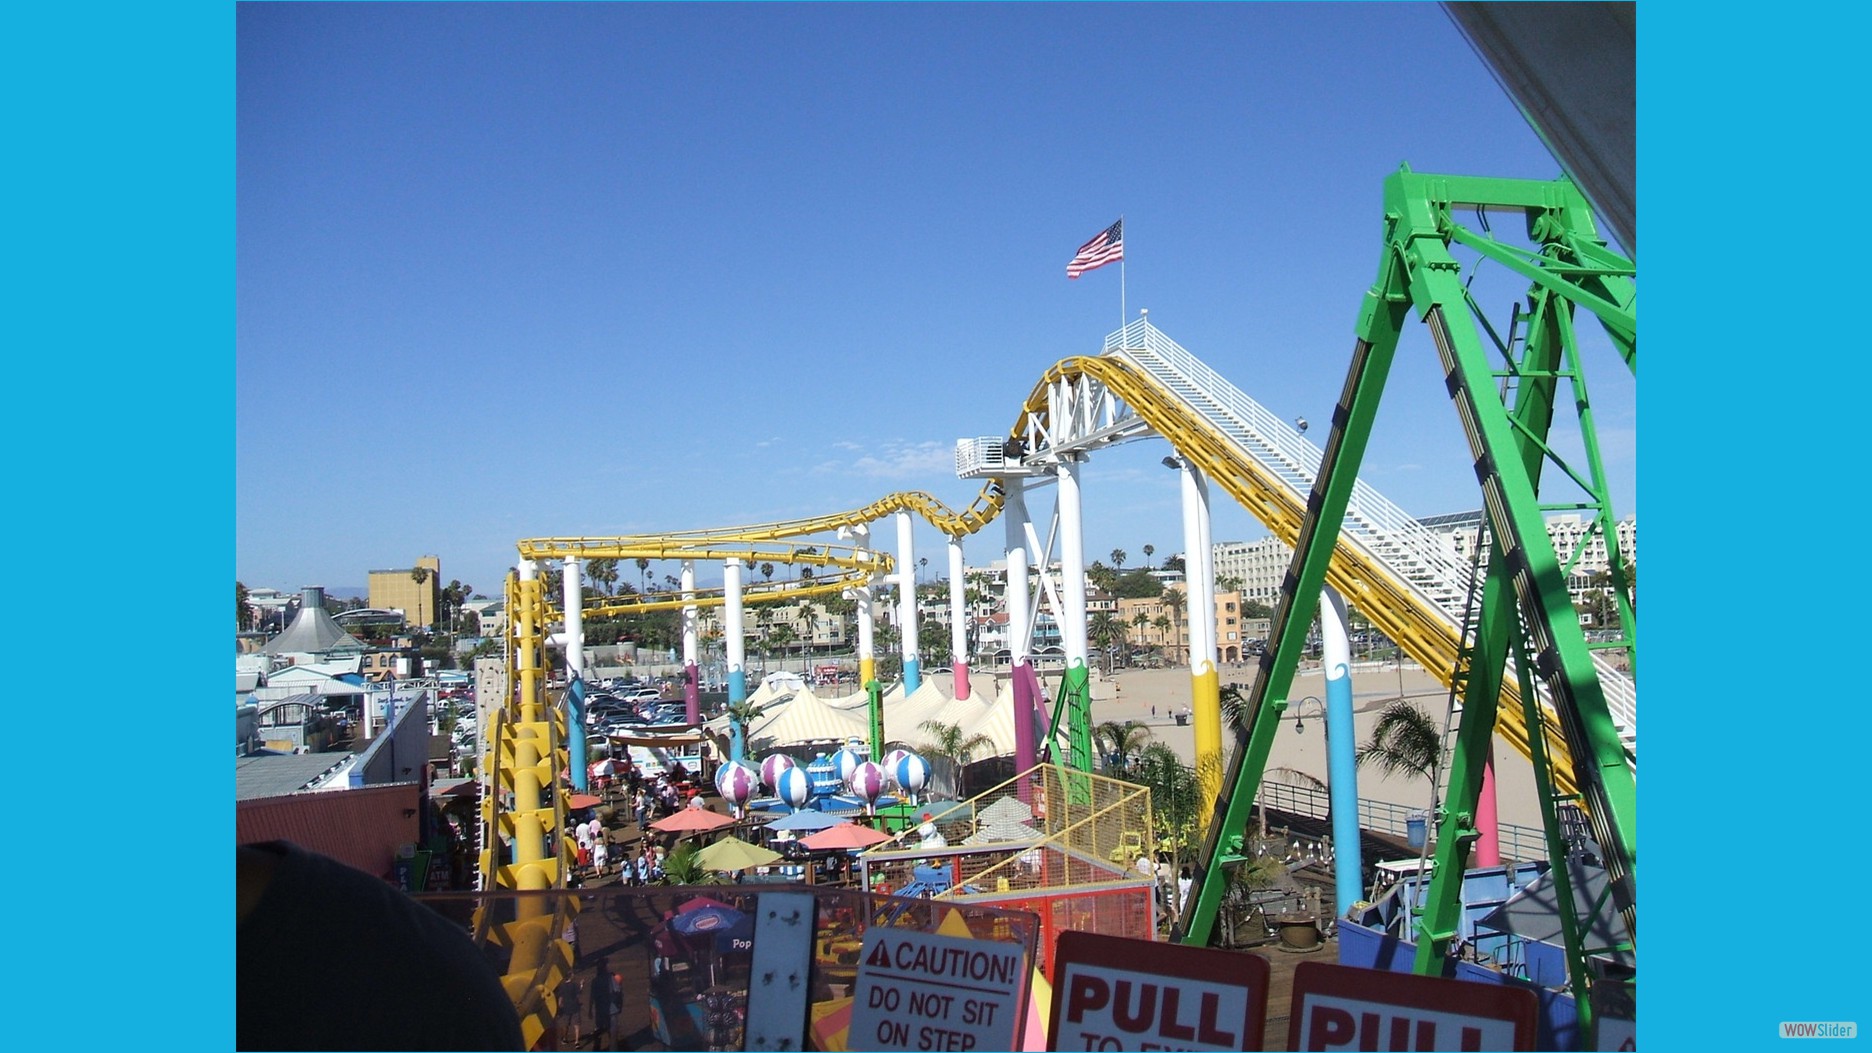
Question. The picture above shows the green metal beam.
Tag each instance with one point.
(1381, 316)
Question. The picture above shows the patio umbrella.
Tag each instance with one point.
(845, 835)
(725, 929)
(583, 800)
(691, 820)
(732, 853)
(723, 926)
(805, 820)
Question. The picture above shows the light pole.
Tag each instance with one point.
(1319, 713)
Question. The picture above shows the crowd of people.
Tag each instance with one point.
(609, 852)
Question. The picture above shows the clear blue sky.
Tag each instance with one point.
(517, 270)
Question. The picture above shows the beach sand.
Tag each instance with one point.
(1130, 694)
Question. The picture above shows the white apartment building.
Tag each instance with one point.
(1261, 565)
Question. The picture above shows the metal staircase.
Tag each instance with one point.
(1393, 538)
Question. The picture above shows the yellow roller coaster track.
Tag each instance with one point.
(1406, 616)
(528, 741)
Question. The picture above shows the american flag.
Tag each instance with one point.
(1107, 247)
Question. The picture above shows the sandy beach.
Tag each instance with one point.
(1131, 694)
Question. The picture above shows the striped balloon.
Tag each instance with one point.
(845, 761)
(867, 782)
(910, 773)
(793, 787)
(726, 771)
(772, 765)
(738, 784)
(890, 759)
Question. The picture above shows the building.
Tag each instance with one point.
(416, 591)
(1152, 623)
(1260, 566)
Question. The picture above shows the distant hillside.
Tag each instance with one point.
(347, 592)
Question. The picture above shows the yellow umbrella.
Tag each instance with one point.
(732, 853)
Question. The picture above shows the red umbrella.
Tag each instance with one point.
(845, 835)
(691, 820)
(583, 800)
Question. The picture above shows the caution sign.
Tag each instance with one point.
(1342, 1007)
(921, 991)
(1115, 993)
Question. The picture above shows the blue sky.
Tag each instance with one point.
(507, 271)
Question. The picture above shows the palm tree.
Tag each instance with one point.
(740, 715)
(1118, 558)
(1175, 796)
(1103, 631)
(922, 567)
(766, 570)
(1149, 551)
(953, 750)
(603, 573)
(1124, 739)
(643, 575)
(680, 867)
(1404, 741)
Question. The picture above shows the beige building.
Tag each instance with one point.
(1150, 622)
(416, 591)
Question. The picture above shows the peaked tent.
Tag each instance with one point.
(804, 719)
(312, 631)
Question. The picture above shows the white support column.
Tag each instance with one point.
(958, 619)
(907, 603)
(1072, 614)
(733, 630)
(574, 589)
(1199, 615)
(1075, 685)
(1020, 674)
(691, 646)
(858, 534)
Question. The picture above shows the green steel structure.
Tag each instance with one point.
(1507, 389)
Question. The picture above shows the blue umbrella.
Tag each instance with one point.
(729, 929)
(805, 820)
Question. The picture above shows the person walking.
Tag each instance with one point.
(571, 1016)
(601, 856)
(603, 998)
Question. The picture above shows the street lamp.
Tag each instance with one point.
(1300, 717)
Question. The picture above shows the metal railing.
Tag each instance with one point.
(1392, 819)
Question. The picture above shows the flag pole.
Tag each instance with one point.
(1121, 283)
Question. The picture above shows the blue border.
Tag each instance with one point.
(120, 354)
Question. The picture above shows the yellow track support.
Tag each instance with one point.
(524, 803)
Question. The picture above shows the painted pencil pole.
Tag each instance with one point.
(907, 604)
(958, 620)
(1341, 750)
(692, 679)
(732, 631)
(1199, 615)
(1019, 617)
(860, 596)
(574, 587)
(1077, 678)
